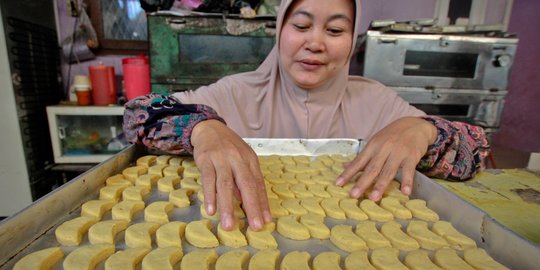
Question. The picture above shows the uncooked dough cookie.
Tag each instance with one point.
(337, 191)
(374, 211)
(283, 191)
(199, 259)
(427, 239)
(156, 169)
(276, 209)
(88, 256)
(162, 258)
(140, 234)
(313, 205)
(104, 232)
(265, 259)
(163, 159)
(300, 191)
(199, 234)
(358, 260)
(190, 183)
(113, 193)
(419, 260)
(167, 183)
(294, 207)
(131, 173)
(192, 172)
(146, 161)
(41, 259)
(318, 190)
(351, 209)
(344, 238)
(180, 197)
(479, 259)
(136, 193)
(368, 231)
(173, 170)
(96, 208)
(233, 238)
(387, 258)
(71, 232)
(327, 261)
(170, 234)
(447, 258)
(117, 180)
(158, 212)
(290, 227)
(233, 259)
(315, 224)
(456, 239)
(296, 260)
(392, 231)
(421, 211)
(147, 180)
(128, 258)
(177, 160)
(393, 205)
(263, 238)
(332, 209)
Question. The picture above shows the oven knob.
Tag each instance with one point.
(502, 60)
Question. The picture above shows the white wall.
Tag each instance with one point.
(14, 183)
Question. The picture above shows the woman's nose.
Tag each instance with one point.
(315, 41)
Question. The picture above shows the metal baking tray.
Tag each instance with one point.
(33, 227)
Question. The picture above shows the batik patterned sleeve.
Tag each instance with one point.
(161, 122)
(458, 152)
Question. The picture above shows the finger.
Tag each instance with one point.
(263, 198)
(387, 174)
(408, 170)
(370, 173)
(250, 195)
(236, 193)
(208, 179)
(353, 167)
(225, 185)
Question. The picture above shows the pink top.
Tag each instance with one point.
(266, 103)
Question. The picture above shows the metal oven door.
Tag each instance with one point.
(439, 61)
(482, 108)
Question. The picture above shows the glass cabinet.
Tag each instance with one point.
(85, 134)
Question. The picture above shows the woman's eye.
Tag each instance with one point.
(301, 26)
(335, 31)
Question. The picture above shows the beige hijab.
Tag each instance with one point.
(266, 103)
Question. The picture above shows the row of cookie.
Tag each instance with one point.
(88, 257)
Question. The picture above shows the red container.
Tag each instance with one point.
(136, 76)
(103, 89)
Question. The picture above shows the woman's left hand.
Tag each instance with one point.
(399, 145)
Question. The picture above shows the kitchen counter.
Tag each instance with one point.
(510, 196)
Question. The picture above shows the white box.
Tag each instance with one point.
(85, 134)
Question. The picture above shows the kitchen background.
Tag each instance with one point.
(519, 131)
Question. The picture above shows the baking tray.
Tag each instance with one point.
(33, 228)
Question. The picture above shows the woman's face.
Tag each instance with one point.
(316, 39)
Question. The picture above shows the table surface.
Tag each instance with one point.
(510, 196)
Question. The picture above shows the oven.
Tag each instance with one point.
(461, 77)
(188, 51)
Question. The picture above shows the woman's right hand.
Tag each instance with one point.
(228, 165)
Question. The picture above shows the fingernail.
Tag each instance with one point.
(340, 181)
(267, 216)
(257, 224)
(209, 209)
(226, 223)
(407, 190)
(355, 192)
(374, 195)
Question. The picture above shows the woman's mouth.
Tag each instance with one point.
(310, 64)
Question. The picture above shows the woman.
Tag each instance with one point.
(302, 90)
